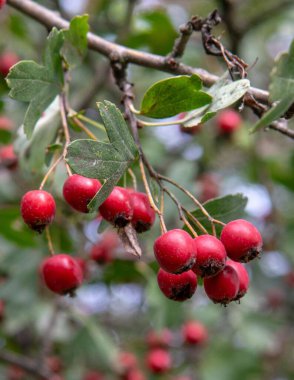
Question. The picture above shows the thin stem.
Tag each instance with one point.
(49, 240)
(90, 121)
(133, 109)
(65, 129)
(134, 179)
(51, 169)
(195, 220)
(84, 128)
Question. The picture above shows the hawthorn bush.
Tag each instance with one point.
(146, 187)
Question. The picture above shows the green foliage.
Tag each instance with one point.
(172, 96)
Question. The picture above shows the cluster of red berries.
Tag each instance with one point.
(182, 259)
(62, 273)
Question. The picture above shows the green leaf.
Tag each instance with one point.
(39, 85)
(225, 209)
(104, 161)
(75, 40)
(172, 96)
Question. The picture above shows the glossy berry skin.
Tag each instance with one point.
(177, 287)
(175, 251)
(61, 274)
(228, 121)
(143, 215)
(243, 278)
(222, 288)
(117, 208)
(8, 158)
(211, 256)
(158, 361)
(78, 191)
(93, 375)
(159, 339)
(38, 209)
(7, 60)
(194, 333)
(242, 240)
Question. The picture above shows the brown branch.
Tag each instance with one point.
(179, 47)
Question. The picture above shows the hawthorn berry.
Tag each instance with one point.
(2, 3)
(7, 60)
(54, 364)
(102, 251)
(243, 278)
(143, 215)
(78, 191)
(223, 287)
(127, 361)
(156, 339)
(6, 123)
(93, 375)
(175, 251)
(38, 209)
(178, 287)
(133, 374)
(8, 158)
(211, 256)
(117, 208)
(194, 333)
(242, 240)
(61, 274)
(228, 121)
(158, 361)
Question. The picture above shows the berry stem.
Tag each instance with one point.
(84, 128)
(49, 240)
(90, 121)
(50, 170)
(134, 179)
(195, 220)
(65, 129)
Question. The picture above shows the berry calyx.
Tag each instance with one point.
(159, 339)
(158, 361)
(243, 278)
(175, 251)
(194, 333)
(178, 287)
(222, 288)
(8, 158)
(117, 208)
(78, 191)
(242, 240)
(228, 121)
(7, 60)
(211, 256)
(61, 274)
(143, 215)
(38, 209)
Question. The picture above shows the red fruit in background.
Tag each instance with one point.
(222, 288)
(182, 378)
(133, 374)
(78, 191)
(194, 332)
(158, 361)
(243, 278)
(175, 251)
(2, 309)
(2, 3)
(289, 279)
(7, 60)
(93, 375)
(38, 209)
(54, 364)
(228, 121)
(127, 361)
(178, 287)
(208, 187)
(143, 215)
(15, 373)
(83, 265)
(8, 158)
(102, 251)
(61, 273)
(159, 339)
(211, 256)
(242, 240)
(6, 123)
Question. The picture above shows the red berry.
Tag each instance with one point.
(159, 339)
(7, 60)
(242, 240)
(78, 191)
(61, 273)
(194, 333)
(38, 209)
(158, 361)
(93, 375)
(54, 364)
(211, 256)
(15, 373)
(127, 361)
(83, 265)
(2, 309)
(243, 278)
(8, 158)
(143, 215)
(133, 374)
(228, 121)
(178, 287)
(222, 288)
(208, 187)
(101, 254)
(175, 251)
(5, 123)
(2, 3)
(117, 208)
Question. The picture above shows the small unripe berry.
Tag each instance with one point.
(158, 361)
(117, 208)
(242, 240)
(159, 339)
(175, 251)
(8, 158)
(78, 191)
(194, 333)
(7, 60)
(61, 274)
(38, 209)
(222, 288)
(93, 375)
(143, 215)
(178, 287)
(228, 121)
(243, 278)
(211, 256)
